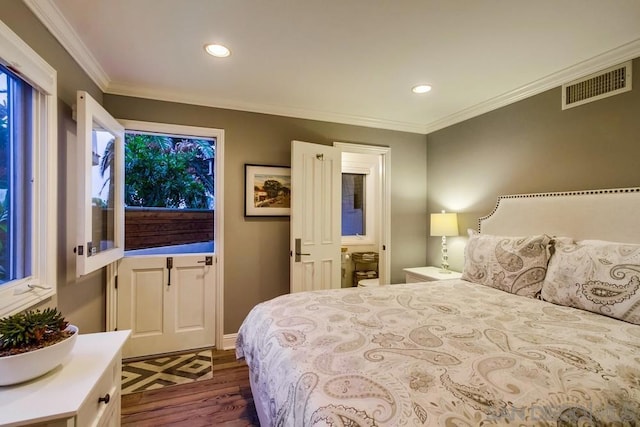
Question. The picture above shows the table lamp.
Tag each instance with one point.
(444, 224)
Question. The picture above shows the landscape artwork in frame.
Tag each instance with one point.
(267, 190)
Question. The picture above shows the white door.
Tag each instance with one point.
(315, 216)
(99, 186)
(168, 305)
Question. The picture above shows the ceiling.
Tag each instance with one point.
(345, 61)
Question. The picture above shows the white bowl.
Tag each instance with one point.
(26, 366)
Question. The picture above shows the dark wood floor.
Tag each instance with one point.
(224, 400)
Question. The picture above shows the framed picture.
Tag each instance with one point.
(267, 190)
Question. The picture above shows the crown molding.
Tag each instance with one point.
(49, 14)
(610, 58)
(300, 113)
(626, 52)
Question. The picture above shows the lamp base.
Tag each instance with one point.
(444, 264)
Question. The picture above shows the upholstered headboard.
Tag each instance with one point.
(611, 214)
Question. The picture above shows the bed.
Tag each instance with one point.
(543, 329)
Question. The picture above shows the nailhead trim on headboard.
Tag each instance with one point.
(556, 194)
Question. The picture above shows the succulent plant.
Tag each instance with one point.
(31, 330)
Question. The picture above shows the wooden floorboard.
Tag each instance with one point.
(224, 400)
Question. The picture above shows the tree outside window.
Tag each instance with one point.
(163, 171)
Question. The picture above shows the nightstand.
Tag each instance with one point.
(83, 391)
(428, 274)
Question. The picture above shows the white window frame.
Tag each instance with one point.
(365, 164)
(194, 132)
(90, 114)
(19, 295)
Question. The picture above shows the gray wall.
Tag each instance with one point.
(81, 301)
(17, 16)
(257, 249)
(531, 146)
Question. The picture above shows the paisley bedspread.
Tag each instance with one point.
(444, 353)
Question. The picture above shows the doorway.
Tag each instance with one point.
(170, 281)
(373, 163)
(316, 238)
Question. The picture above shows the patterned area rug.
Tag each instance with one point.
(166, 371)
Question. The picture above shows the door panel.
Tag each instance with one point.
(307, 190)
(194, 306)
(191, 299)
(100, 184)
(306, 276)
(315, 216)
(327, 266)
(166, 315)
(327, 185)
(147, 286)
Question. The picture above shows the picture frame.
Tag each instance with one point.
(275, 199)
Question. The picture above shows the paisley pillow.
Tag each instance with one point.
(598, 276)
(512, 264)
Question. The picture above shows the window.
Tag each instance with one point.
(151, 187)
(27, 175)
(173, 188)
(169, 193)
(99, 224)
(354, 220)
(15, 173)
(360, 198)
(168, 171)
(103, 179)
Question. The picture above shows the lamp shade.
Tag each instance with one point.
(444, 224)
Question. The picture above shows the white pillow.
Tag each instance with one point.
(513, 264)
(598, 276)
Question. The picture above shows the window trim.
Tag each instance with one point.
(358, 165)
(16, 55)
(191, 132)
(91, 113)
(370, 207)
(365, 175)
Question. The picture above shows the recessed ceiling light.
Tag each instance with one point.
(217, 50)
(421, 89)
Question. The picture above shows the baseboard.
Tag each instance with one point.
(229, 341)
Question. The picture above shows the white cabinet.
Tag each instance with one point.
(428, 274)
(83, 391)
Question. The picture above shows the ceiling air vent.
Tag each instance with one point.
(609, 82)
